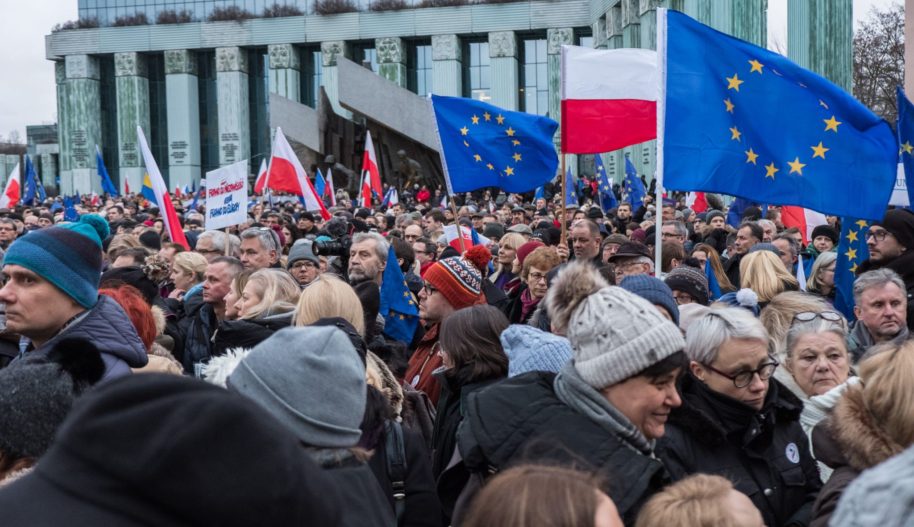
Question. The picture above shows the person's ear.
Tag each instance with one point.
(697, 370)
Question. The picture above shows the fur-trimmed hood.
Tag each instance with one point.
(860, 439)
(218, 369)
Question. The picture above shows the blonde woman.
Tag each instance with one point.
(764, 273)
(265, 306)
(701, 500)
(187, 275)
(328, 297)
(821, 280)
(507, 252)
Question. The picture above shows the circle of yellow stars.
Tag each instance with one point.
(852, 237)
(797, 165)
(509, 132)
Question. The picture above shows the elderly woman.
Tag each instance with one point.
(736, 422)
(869, 424)
(605, 408)
(523, 302)
(820, 365)
(821, 280)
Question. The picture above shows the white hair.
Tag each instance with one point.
(707, 334)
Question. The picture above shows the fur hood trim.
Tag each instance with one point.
(218, 369)
(159, 316)
(862, 441)
(380, 376)
(575, 282)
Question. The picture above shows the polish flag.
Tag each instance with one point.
(609, 98)
(286, 174)
(163, 200)
(370, 166)
(11, 193)
(126, 186)
(804, 219)
(261, 177)
(365, 192)
(470, 237)
(697, 202)
(329, 191)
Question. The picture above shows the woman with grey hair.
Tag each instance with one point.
(818, 361)
(736, 421)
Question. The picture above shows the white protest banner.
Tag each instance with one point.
(900, 192)
(227, 196)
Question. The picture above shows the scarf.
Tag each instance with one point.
(528, 304)
(572, 390)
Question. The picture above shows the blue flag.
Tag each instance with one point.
(540, 193)
(571, 192)
(69, 211)
(147, 191)
(905, 129)
(713, 285)
(735, 211)
(193, 204)
(107, 185)
(634, 187)
(852, 251)
(745, 121)
(399, 309)
(486, 146)
(607, 196)
(319, 184)
(33, 188)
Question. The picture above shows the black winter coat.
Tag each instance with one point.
(764, 453)
(731, 268)
(247, 333)
(364, 503)
(522, 420)
(197, 328)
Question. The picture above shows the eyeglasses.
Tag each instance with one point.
(670, 235)
(830, 316)
(877, 235)
(534, 278)
(744, 378)
(302, 265)
(682, 298)
(429, 288)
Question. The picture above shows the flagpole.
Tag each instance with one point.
(448, 189)
(661, 114)
(563, 240)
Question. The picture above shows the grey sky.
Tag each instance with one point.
(27, 93)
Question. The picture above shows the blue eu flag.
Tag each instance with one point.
(107, 185)
(571, 191)
(320, 184)
(486, 146)
(745, 121)
(905, 129)
(32, 187)
(399, 309)
(634, 187)
(852, 251)
(607, 197)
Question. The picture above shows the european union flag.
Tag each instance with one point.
(319, 183)
(32, 187)
(69, 212)
(735, 211)
(713, 285)
(607, 197)
(571, 192)
(540, 193)
(905, 129)
(485, 146)
(745, 121)
(634, 187)
(107, 184)
(399, 309)
(852, 251)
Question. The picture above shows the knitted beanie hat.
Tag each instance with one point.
(654, 291)
(614, 334)
(302, 250)
(530, 349)
(689, 280)
(825, 230)
(524, 250)
(69, 256)
(900, 223)
(311, 379)
(457, 279)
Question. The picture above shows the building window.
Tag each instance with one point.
(365, 53)
(158, 112)
(259, 105)
(419, 68)
(476, 75)
(209, 111)
(534, 78)
(108, 118)
(312, 66)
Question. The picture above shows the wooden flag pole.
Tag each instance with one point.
(564, 201)
(453, 205)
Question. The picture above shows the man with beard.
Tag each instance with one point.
(367, 258)
(890, 243)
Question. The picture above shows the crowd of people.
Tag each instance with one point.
(556, 376)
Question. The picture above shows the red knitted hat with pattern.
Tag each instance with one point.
(457, 279)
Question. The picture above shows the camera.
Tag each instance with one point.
(339, 247)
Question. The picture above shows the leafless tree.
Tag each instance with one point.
(879, 60)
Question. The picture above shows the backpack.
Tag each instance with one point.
(395, 448)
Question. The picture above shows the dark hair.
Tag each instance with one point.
(671, 251)
(138, 254)
(436, 215)
(403, 250)
(665, 366)
(755, 228)
(470, 339)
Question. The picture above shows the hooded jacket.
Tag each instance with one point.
(522, 420)
(850, 441)
(109, 329)
(764, 453)
(248, 333)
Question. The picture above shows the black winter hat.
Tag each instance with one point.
(134, 450)
(825, 230)
(900, 222)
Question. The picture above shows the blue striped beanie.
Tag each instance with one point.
(69, 256)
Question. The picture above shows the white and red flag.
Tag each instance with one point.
(370, 167)
(286, 174)
(804, 219)
(609, 98)
(160, 191)
(261, 177)
(12, 192)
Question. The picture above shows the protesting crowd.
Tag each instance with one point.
(553, 375)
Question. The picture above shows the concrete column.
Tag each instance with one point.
(183, 106)
(132, 84)
(46, 158)
(330, 78)
(555, 39)
(60, 75)
(234, 113)
(447, 72)
(600, 35)
(505, 80)
(820, 37)
(392, 60)
(285, 71)
(83, 120)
